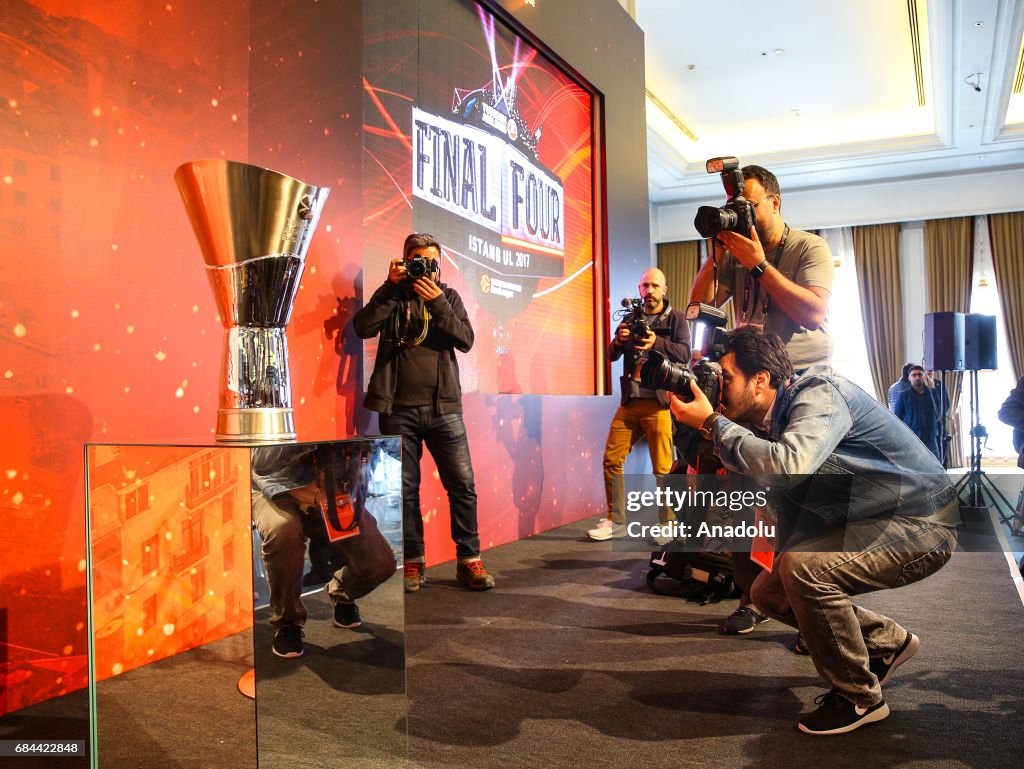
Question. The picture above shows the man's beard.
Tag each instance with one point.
(742, 412)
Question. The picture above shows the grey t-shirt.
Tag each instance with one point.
(805, 260)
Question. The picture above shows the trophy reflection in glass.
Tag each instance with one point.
(254, 227)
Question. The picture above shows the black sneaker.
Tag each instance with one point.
(884, 667)
(288, 641)
(346, 615)
(743, 620)
(837, 715)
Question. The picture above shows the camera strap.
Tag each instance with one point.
(747, 314)
(407, 326)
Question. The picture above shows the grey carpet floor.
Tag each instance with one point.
(569, 662)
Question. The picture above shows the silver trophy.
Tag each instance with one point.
(254, 227)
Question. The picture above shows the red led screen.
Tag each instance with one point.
(478, 138)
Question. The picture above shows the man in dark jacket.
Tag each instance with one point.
(415, 388)
(864, 506)
(642, 414)
(1012, 414)
(916, 408)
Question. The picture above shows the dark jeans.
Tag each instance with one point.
(445, 437)
(368, 558)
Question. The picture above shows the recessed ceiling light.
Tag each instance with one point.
(779, 51)
(982, 157)
(979, 24)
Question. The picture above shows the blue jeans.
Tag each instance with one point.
(811, 583)
(445, 438)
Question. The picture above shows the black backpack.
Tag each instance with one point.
(704, 577)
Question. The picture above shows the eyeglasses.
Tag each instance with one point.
(762, 200)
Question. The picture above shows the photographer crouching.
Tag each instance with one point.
(863, 504)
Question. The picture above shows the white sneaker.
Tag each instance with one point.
(606, 529)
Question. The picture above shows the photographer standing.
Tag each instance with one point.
(415, 387)
(641, 413)
(780, 279)
(862, 506)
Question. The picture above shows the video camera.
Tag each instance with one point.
(737, 214)
(634, 317)
(659, 373)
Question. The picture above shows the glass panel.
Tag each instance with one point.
(171, 567)
(340, 699)
(170, 622)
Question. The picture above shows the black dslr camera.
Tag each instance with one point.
(737, 214)
(659, 373)
(418, 267)
(633, 316)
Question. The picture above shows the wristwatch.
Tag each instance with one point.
(758, 269)
(709, 423)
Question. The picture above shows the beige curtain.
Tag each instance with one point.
(1007, 235)
(679, 263)
(876, 253)
(948, 268)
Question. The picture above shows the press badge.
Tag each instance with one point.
(340, 517)
(762, 545)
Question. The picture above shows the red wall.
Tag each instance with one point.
(108, 328)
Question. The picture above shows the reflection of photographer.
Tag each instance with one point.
(866, 507)
(649, 326)
(293, 485)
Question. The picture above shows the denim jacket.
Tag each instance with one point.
(834, 452)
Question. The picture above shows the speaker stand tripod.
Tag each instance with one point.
(973, 488)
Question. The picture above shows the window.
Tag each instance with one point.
(136, 501)
(227, 503)
(845, 322)
(198, 586)
(993, 386)
(149, 612)
(106, 559)
(150, 559)
(192, 533)
(229, 554)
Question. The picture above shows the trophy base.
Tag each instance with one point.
(255, 426)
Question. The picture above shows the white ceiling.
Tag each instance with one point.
(824, 92)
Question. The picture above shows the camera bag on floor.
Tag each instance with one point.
(702, 577)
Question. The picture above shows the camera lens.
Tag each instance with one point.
(659, 373)
(711, 221)
(417, 268)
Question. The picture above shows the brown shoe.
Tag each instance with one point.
(413, 574)
(474, 575)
